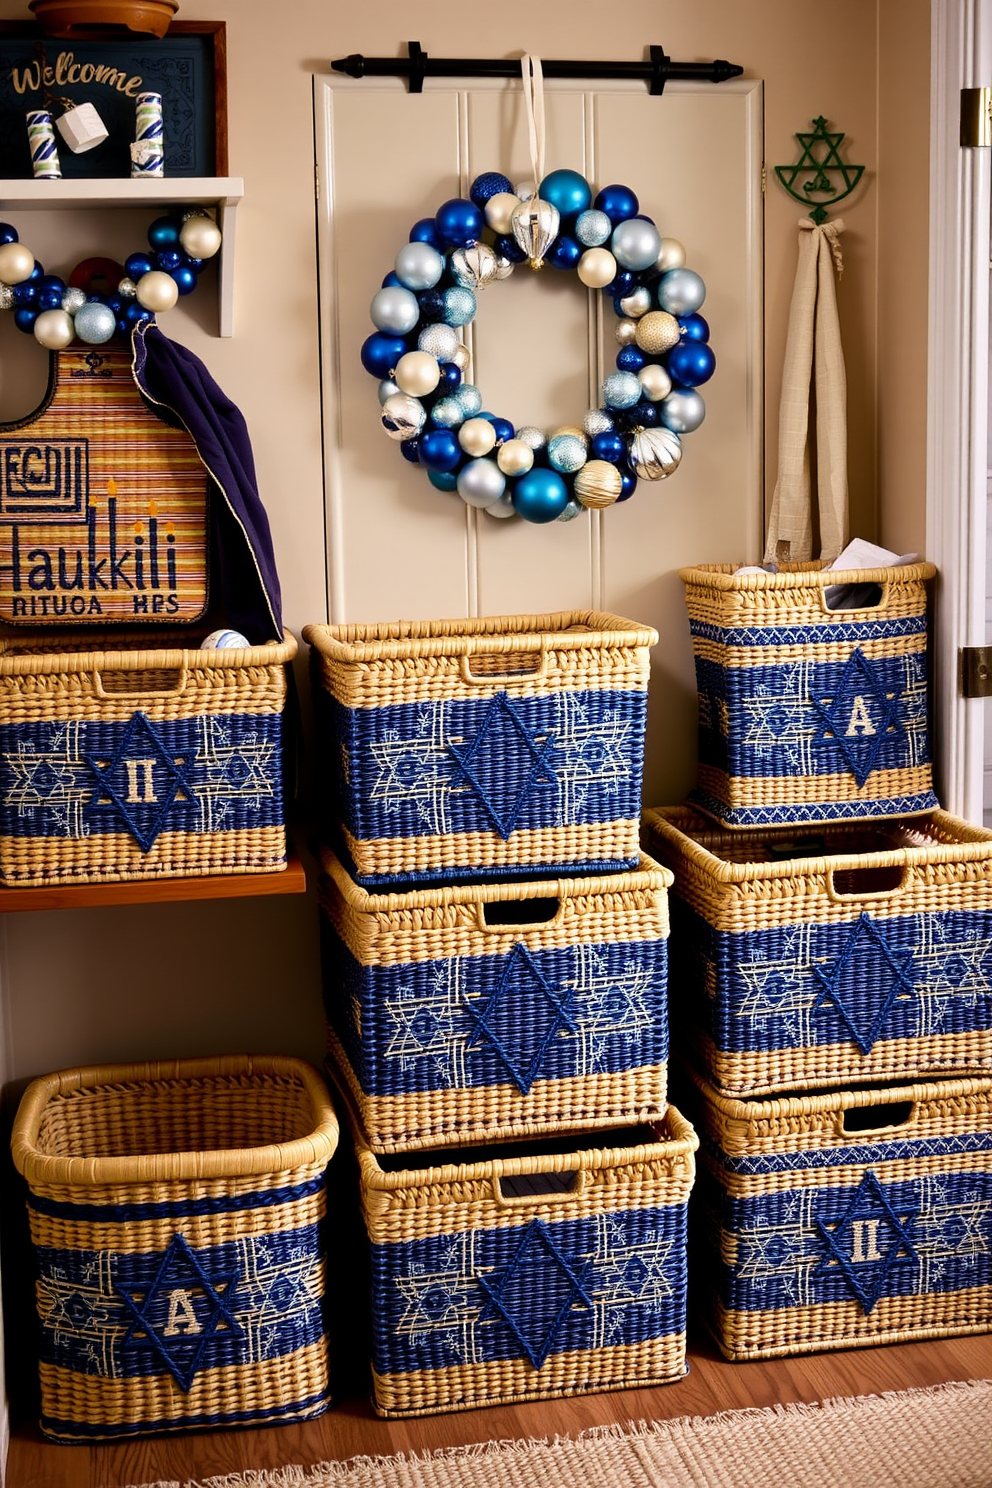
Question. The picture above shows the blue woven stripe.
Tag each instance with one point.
(799, 814)
(898, 1150)
(292, 1410)
(500, 764)
(613, 1280)
(178, 1209)
(473, 1021)
(802, 985)
(844, 632)
(269, 1286)
(209, 773)
(820, 1246)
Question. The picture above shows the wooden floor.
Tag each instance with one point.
(350, 1428)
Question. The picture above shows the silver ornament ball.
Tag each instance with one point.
(532, 436)
(621, 390)
(387, 388)
(481, 482)
(569, 512)
(126, 288)
(394, 310)
(6, 297)
(681, 291)
(473, 267)
(447, 413)
(683, 410)
(635, 243)
(654, 453)
(596, 422)
(502, 508)
(418, 266)
(402, 417)
(637, 303)
(504, 266)
(440, 341)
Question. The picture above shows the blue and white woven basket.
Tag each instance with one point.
(844, 1219)
(132, 763)
(850, 954)
(176, 1210)
(809, 714)
(528, 1272)
(499, 747)
(471, 1012)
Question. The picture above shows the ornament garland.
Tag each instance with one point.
(56, 312)
(648, 403)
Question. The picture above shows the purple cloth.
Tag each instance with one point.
(243, 581)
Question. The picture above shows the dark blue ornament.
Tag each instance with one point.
(431, 302)
(690, 363)
(489, 184)
(185, 278)
(25, 294)
(168, 259)
(621, 285)
(49, 283)
(37, 273)
(8, 233)
(380, 353)
(618, 202)
(645, 414)
(693, 328)
(565, 253)
(392, 280)
(440, 450)
(424, 231)
(503, 427)
(628, 483)
(25, 317)
(541, 495)
(164, 233)
(115, 302)
(630, 359)
(134, 313)
(459, 222)
(410, 450)
(196, 264)
(609, 446)
(568, 191)
(137, 265)
(508, 247)
(451, 378)
(49, 299)
(123, 326)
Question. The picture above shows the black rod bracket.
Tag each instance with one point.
(417, 65)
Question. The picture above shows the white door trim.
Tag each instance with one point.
(958, 362)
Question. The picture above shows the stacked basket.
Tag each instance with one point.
(831, 973)
(495, 967)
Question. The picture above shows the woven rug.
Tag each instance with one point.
(937, 1438)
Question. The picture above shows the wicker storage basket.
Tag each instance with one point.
(176, 1211)
(135, 763)
(497, 747)
(808, 714)
(463, 1013)
(844, 1219)
(528, 1271)
(869, 960)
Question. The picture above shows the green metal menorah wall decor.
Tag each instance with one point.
(812, 179)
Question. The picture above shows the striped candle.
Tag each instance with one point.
(41, 142)
(148, 150)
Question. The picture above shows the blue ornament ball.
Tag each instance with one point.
(694, 328)
(8, 233)
(137, 265)
(630, 359)
(439, 450)
(95, 323)
(37, 273)
(135, 313)
(490, 183)
(628, 483)
(391, 280)
(645, 414)
(410, 450)
(503, 428)
(224, 640)
(451, 378)
(25, 317)
(508, 247)
(618, 202)
(431, 302)
(49, 299)
(164, 233)
(566, 190)
(541, 495)
(380, 353)
(609, 446)
(459, 222)
(443, 480)
(116, 302)
(424, 231)
(691, 362)
(565, 253)
(168, 259)
(24, 295)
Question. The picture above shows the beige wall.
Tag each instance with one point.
(188, 979)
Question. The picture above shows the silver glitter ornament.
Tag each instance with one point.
(654, 453)
(592, 229)
(535, 226)
(636, 304)
(532, 436)
(473, 267)
(462, 359)
(439, 340)
(6, 297)
(447, 413)
(570, 512)
(596, 422)
(127, 289)
(566, 453)
(402, 417)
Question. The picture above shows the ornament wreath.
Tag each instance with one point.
(648, 403)
(56, 312)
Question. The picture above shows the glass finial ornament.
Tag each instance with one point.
(819, 178)
(439, 417)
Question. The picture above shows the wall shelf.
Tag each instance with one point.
(222, 192)
(292, 880)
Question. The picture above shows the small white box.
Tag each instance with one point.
(82, 128)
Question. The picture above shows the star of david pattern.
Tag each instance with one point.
(818, 163)
(860, 715)
(577, 750)
(867, 1241)
(196, 1308)
(49, 776)
(847, 982)
(124, 789)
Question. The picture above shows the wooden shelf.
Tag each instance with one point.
(156, 890)
(222, 192)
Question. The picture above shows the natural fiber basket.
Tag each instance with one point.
(845, 1219)
(454, 749)
(131, 763)
(809, 714)
(176, 1212)
(467, 1013)
(821, 958)
(530, 1270)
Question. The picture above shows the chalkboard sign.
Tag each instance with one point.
(187, 67)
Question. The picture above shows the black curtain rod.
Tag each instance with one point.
(656, 71)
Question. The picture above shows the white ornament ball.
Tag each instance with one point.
(54, 329)
(200, 237)
(16, 263)
(655, 381)
(157, 291)
(597, 267)
(626, 331)
(671, 255)
(417, 373)
(499, 209)
(95, 323)
(477, 436)
(515, 457)
(224, 640)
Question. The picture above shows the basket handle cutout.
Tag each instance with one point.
(171, 681)
(886, 1116)
(482, 667)
(874, 881)
(503, 912)
(526, 1187)
(841, 599)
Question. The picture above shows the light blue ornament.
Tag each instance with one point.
(681, 291)
(95, 323)
(683, 410)
(567, 453)
(387, 388)
(541, 495)
(621, 390)
(395, 310)
(468, 398)
(459, 306)
(443, 480)
(448, 413)
(225, 640)
(592, 228)
(635, 244)
(419, 266)
(481, 482)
